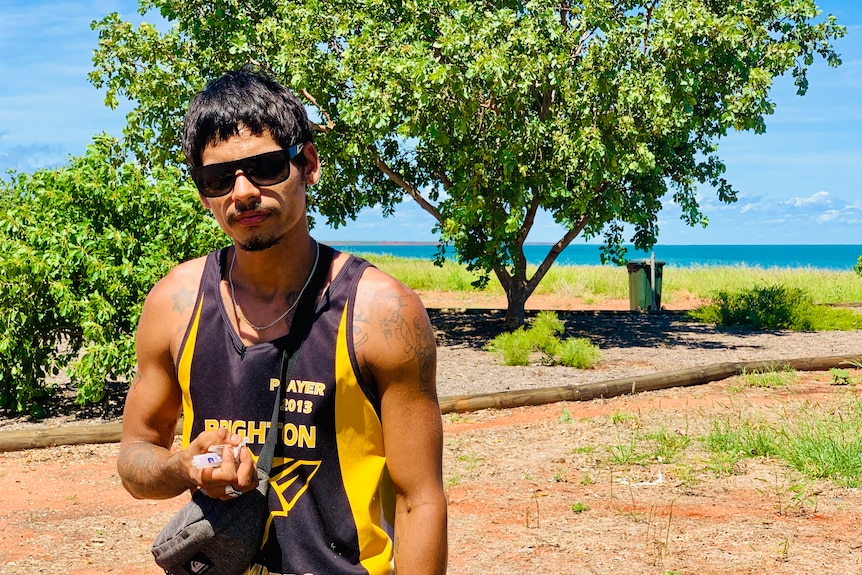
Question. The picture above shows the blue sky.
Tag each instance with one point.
(798, 184)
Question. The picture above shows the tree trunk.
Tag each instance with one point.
(516, 298)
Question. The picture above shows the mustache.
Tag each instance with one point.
(252, 209)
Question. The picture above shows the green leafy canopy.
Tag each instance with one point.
(487, 112)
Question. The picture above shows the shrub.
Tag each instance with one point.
(515, 347)
(578, 352)
(774, 307)
(518, 347)
(82, 246)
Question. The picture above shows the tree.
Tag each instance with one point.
(485, 113)
(82, 246)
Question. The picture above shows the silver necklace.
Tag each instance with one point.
(290, 309)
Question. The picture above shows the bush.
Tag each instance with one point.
(82, 245)
(578, 352)
(520, 346)
(775, 307)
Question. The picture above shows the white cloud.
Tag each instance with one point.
(828, 216)
(818, 199)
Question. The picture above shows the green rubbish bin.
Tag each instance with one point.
(641, 288)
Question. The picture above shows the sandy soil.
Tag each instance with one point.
(560, 488)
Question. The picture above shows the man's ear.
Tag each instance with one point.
(312, 164)
(205, 201)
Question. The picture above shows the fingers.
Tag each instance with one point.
(237, 472)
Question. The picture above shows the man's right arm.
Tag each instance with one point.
(148, 467)
(146, 464)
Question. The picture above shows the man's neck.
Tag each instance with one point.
(274, 273)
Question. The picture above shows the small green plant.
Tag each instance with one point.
(566, 416)
(627, 452)
(686, 474)
(840, 376)
(458, 418)
(826, 444)
(451, 481)
(789, 496)
(618, 418)
(816, 443)
(667, 445)
(844, 377)
(514, 347)
(778, 377)
(471, 460)
(731, 439)
(560, 476)
(519, 347)
(580, 507)
(723, 463)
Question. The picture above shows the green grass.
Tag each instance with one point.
(597, 282)
(778, 377)
(817, 442)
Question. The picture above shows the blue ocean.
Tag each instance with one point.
(829, 257)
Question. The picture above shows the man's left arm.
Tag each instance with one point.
(397, 346)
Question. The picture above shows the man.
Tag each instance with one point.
(359, 421)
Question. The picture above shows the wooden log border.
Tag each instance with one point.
(34, 438)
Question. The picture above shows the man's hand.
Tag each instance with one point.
(230, 479)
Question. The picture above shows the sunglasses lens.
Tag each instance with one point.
(215, 182)
(270, 169)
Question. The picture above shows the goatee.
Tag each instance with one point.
(259, 243)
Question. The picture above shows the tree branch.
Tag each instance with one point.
(529, 220)
(410, 189)
(444, 178)
(647, 25)
(555, 251)
(329, 125)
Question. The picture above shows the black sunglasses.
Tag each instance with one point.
(215, 180)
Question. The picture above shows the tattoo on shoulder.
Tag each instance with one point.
(183, 298)
(135, 381)
(404, 333)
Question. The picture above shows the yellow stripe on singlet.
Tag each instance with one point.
(362, 458)
(184, 373)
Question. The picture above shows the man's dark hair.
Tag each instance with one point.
(243, 99)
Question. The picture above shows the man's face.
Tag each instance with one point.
(259, 217)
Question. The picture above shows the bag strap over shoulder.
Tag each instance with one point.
(299, 327)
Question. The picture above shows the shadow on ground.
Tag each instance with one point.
(475, 328)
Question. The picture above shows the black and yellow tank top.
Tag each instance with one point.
(331, 503)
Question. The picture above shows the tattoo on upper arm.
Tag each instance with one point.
(426, 354)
